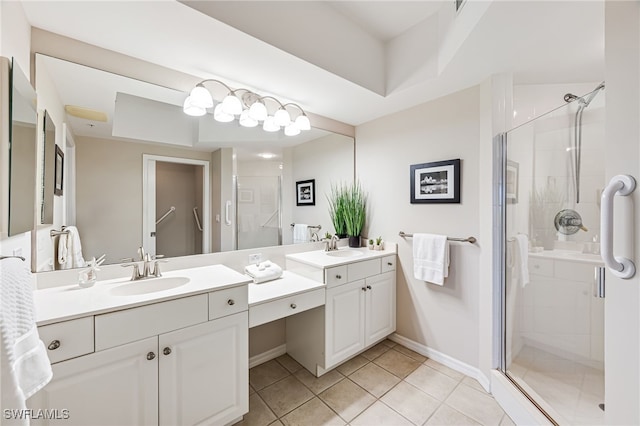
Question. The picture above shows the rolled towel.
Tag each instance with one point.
(263, 272)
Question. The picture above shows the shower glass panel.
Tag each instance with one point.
(554, 325)
(259, 212)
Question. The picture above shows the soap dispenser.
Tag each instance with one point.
(89, 276)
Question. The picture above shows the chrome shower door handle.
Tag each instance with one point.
(619, 266)
(227, 213)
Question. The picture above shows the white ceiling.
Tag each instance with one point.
(352, 61)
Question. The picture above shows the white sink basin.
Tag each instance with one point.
(153, 285)
(344, 253)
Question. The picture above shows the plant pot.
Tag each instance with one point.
(371, 246)
(378, 247)
(354, 241)
(342, 236)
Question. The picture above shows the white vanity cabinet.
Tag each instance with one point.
(360, 310)
(164, 363)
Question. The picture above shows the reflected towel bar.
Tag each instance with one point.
(171, 210)
(462, 240)
(12, 257)
(53, 233)
(310, 226)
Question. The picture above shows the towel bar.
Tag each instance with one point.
(471, 240)
(309, 226)
(12, 257)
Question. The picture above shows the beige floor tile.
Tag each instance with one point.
(347, 399)
(380, 414)
(285, 395)
(389, 343)
(506, 421)
(375, 351)
(476, 405)
(318, 384)
(408, 352)
(266, 374)
(251, 390)
(446, 415)
(312, 413)
(397, 363)
(433, 382)
(289, 363)
(352, 365)
(469, 381)
(375, 380)
(276, 423)
(444, 369)
(411, 402)
(259, 413)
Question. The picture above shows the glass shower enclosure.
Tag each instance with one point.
(553, 323)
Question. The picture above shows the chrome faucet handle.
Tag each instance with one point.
(156, 268)
(157, 256)
(136, 270)
(141, 253)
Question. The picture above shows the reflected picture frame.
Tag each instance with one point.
(58, 171)
(437, 182)
(511, 182)
(306, 192)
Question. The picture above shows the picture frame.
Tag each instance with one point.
(245, 195)
(306, 192)
(511, 182)
(435, 182)
(58, 171)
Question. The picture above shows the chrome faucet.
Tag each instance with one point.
(150, 267)
(331, 244)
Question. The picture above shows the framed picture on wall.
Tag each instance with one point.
(436, 182)
(306, 192)
(59, 171)
(511, 182)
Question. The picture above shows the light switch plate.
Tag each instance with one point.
(255, 258)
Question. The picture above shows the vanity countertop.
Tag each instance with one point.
(70, 302)
(324, 259)
(289, 284)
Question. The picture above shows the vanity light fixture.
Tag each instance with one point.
(248, 107)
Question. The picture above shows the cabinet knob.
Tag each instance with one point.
(390, 263)
(54, 345)
(151, 356)
(167, 351)
(368, 287)
(364, 289)
(231, 302)
(339, 276)
(293, 306)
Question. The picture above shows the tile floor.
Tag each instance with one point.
(387, 385)
(572, 389)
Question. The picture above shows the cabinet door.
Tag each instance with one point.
(204, 372)
(344, 316)
(380, 319)
(118, 386)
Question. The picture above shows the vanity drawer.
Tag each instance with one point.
(68, 339)
(335, 276)
(281, 308)
(388, 263)
(118, 328)
(363, 269)
(542, 267)
(228, 301)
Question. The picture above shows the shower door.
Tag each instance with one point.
(259, 213)
(554, 324)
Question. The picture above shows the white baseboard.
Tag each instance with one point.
(444, 359)
(267, 356)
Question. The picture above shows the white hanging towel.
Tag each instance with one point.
(430, 258)
(70, 249)
(25, 366)
(522, 243)
(300, 233)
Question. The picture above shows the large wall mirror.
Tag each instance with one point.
(147, 174)
(22, 152)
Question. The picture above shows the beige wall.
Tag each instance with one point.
(109, 194)
(442, 318)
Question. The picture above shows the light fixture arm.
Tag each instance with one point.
(216, 81)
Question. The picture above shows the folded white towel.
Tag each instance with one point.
(263, 272)
(522, 263)
(25, 366)
(300, 233)
(70, 249)
(430, 258)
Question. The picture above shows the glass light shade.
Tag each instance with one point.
(232, 105)
(270, 125)
(191, 109)
(258, 111)
(246, 120)
(220, 115)
(292, 130)
(303, 123)
(282, 117)
(201, 97)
